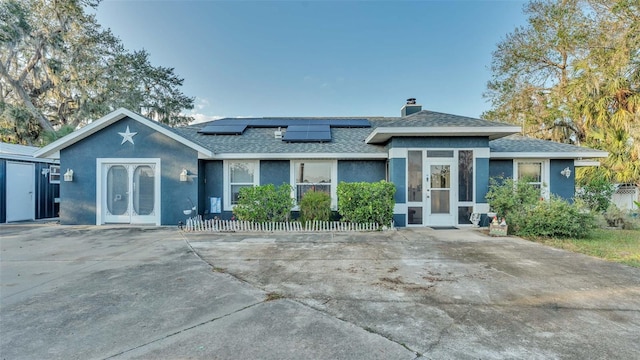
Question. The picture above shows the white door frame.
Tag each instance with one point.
(15, 191)
(429, 219)
(449, 219)
(101, 183)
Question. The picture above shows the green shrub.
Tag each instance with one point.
(315, 205)
(553, 218)
(264, 203)
(528, 215)
(364, 202)
(506, 196)
(596, 194)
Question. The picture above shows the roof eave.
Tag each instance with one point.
(289, 156)
(382, 134)
(548, 155)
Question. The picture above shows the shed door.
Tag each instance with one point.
(20, 191)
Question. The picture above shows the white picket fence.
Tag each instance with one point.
(215, 225)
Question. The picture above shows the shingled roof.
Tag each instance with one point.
(516, 146)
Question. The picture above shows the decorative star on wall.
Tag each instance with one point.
(127, 136)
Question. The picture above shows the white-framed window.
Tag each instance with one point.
(535, 171)
(239, 174)
(54, 174)
(314, 175)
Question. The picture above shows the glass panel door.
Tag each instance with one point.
(143, 190)
(440, 193)
(117, 194)
(129, 193)
(440, 189)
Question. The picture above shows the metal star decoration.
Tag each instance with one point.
(127, 136)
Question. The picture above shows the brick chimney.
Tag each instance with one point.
(410, 107)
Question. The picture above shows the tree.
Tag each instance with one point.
(572, 75)
(59, 68)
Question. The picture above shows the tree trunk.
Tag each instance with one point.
(42, 121)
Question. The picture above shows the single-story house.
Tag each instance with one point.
(125, 168)
(29, 187)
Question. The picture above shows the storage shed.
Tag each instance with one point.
(29, 187)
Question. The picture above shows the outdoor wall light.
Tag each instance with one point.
(566, 172)
(184, 175)
(68, 176)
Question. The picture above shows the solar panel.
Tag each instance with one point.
(223, 129)
(297, 129)
(307, 133)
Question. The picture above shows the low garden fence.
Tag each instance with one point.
(217, 225)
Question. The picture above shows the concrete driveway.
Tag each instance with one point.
(89, 292)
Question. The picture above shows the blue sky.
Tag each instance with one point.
(320, 58)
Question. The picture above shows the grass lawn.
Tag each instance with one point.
(622, 246)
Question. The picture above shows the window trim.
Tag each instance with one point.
(51, 172)
(544, 177)
(334, 180)
(227, 183)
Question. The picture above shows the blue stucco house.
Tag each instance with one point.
(125, 168)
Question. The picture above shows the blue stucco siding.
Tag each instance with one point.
(362, 170)
(276, 172)
(501, 168)
(78, 198)
(560, 185)
(454, 142)
(482, 179)
(400, 220)
(398, 176)
(214, 187)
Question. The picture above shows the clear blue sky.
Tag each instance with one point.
(320, 58)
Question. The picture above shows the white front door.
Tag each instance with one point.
(20, 191)
(432, 189)
(130, 192)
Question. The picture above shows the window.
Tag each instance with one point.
(534, 172)
(314, 176)
(54, 174)
(238, 174)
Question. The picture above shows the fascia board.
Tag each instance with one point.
(27, 158)
(54, 148)
(549, 155)
(382, 134)
(289, 156)
(581, 163)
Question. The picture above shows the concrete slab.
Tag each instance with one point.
(280, 329)
(108, 291)
(451, 294)
(127, 292)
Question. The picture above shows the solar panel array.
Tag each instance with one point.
(297, 130)
(307, 133)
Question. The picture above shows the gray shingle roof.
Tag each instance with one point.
(521, 144)
(262, 140)
(352, 140)
(428, 118)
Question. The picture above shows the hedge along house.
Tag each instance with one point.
(29, 187)
(129, 169)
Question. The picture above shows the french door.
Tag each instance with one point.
(130, 192)
(432, 188)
